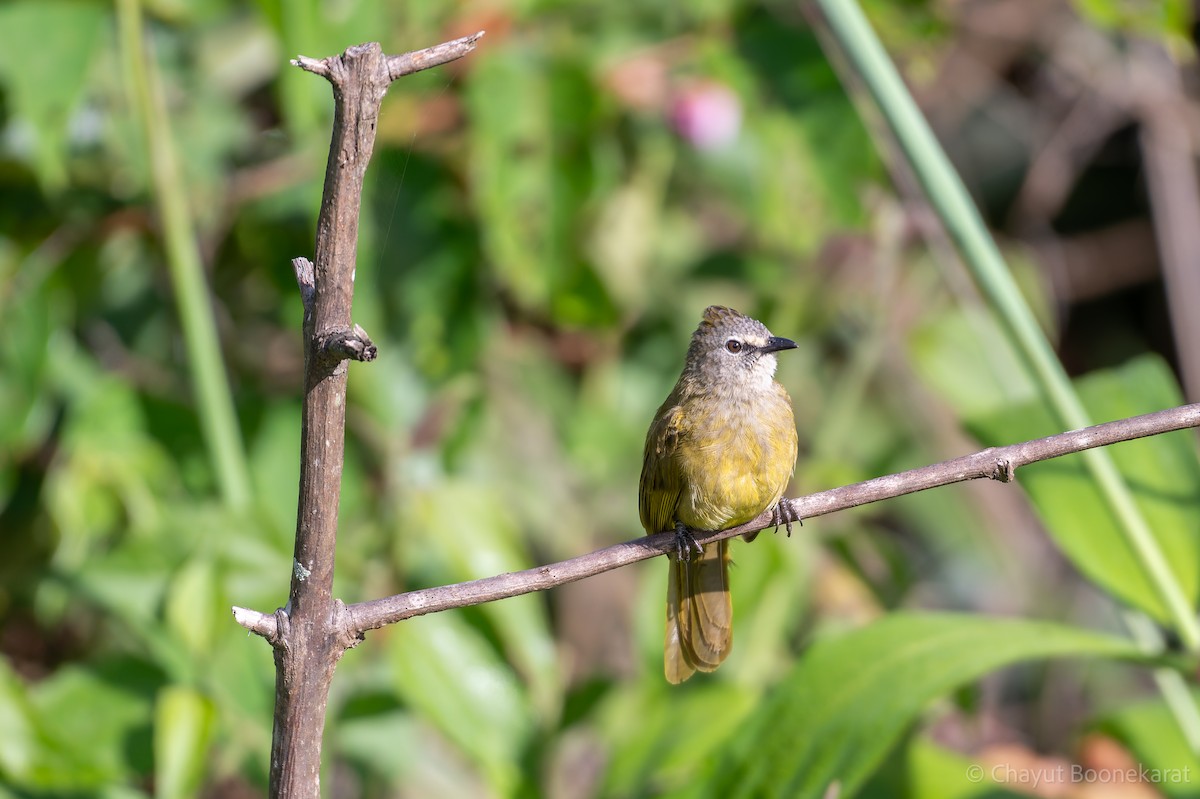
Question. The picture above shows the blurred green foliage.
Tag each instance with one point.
(543, 223)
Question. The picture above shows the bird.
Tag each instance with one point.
(721, 450)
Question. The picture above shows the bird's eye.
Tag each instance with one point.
(733, 345)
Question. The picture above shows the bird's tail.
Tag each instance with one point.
(699, 613)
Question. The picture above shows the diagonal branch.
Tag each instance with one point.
(408, 63)
(995, 463)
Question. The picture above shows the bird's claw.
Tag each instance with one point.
(783, 513)
(685, 542)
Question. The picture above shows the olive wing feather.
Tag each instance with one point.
(662, 478)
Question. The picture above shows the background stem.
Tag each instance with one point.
(962, 220)
(210, 385)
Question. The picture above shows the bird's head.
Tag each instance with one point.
(730, 349)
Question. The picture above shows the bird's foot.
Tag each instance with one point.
(685, 542)
(783, 513)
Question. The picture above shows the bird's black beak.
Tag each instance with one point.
(775, 344)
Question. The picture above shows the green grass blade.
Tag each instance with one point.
(1162, 472)
(211, 386)
(958, 213)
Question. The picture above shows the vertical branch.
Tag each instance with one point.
(304, 667)
(309, 637)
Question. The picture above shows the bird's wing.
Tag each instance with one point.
(662, 478)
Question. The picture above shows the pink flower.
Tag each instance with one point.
(707, 115)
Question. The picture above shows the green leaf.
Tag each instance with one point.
(276, 469)
(656, 733)
(1170, 18)
(532, 174)
(446, 670)
(1163, 473)
(1152, 735)
(19, 743)
(193, 606)
(849, 699)
(46, 74)
(803, 162)
(921, 768)
(183, 726)
(129, 584)
(963, 356)
(94, 724)
(513, 170)
(29, 321)
(373, 740)
(491, 544)
(112, 473)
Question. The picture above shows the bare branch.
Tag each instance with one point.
(306, 279)
(399, 65)
(257, 623)
(314, 629)
(408, 63)
(317, 66)
(996, 463)
(340, 345)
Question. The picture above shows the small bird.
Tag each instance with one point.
(720, 451)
